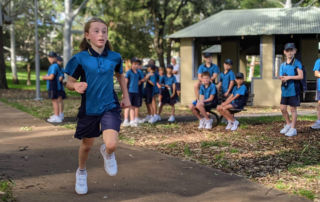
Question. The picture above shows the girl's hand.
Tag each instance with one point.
(284, 78)
(226, 94)
(125, 102)
(80, 87)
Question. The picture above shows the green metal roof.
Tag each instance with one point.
(213, 49)
(267, 21)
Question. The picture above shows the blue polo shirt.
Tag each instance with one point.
(155, 79)
(97, 70)
(317, 68)
(60, 84)
(53, 84)
(289, 70)
(134, 79)
(225, 80)
(213, 69)
(211, 90)
(165, 80)
(242, 90)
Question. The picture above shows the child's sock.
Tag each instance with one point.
(82, 171)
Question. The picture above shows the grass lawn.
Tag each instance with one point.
(256, 150)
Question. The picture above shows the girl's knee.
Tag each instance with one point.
(86, 147)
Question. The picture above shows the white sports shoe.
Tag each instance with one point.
(81, 186)
(110, 163)
(171, 118)
(133, 124)
(126, 123)
(54, 119)
(291, 132)
(201, 123)
(147, 118)
(285, 129)
(158, 117)
(229, 126)
(139, 120)
(153, 119)
(208, 124)
(61, 116)
(316, 125)
(235, 125)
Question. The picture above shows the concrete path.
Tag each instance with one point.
(42, 159)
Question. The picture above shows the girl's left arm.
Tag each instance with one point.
(125, 102)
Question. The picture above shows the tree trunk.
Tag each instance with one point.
(3, 79)
(288, 4)
(67, 31)
(29, 74)
(252, 65)
(169, 48)
(13, 54)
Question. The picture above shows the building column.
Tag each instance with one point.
(186, 69)
(309, 54)
(267, 89)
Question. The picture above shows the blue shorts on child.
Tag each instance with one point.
(207, 105)
(135, 99)
(166, 97)
(293, 101)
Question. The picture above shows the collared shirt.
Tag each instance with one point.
(53, 84)
(155, 79)
(210, 90)
(213, 69)
(165, 80)
(242, 90)
(317, 68)
(98, 71)
(225, 80)
(289, 70)
(134, 79)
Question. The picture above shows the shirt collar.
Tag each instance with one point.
(95, 54)
(291, 62)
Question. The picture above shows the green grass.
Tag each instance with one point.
(207, 144)
(6, 187)
(172, 145)
(21, 107)
(306, 193)
(127, 140)
(271, 119)
(187, 150)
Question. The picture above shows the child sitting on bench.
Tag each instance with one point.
(207, 101)
(237, 100)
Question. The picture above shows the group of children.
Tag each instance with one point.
(233, 93)
(55, 87)
(156, 83)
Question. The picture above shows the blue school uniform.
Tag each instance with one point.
(289, 70)
(240, 102)
(317, 68)
(97, 70)
(155, 79)
(61, 92)
(55, 70)
(225, 80)
(166, 94)
(165, 80)
(213, 69)
(207, 92)
(134, 79)
(141, 86)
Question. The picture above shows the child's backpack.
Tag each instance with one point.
(300, 85)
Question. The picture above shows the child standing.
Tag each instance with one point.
(290, 71)
(208, 66)
(316, 70)
(61, 92)
(149, 92)
(208, 100)
(100, 110)
(133, 79)
(168, 91)
(227, 78)
(161, 75)
(237, 100)
(52, 79)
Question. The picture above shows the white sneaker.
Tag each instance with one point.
(171, 118)
(235, 125)
(81, 186)
(201, 123)
(285, 129)
(139, 120)
(110, 163)
(54, 119)
(147, 118)
(158, 117)
(316, 125)
(126, 123)
(153, 119)
(291, 132)
(208, 124)
(133, 124)
(229, 126)
(61, 116)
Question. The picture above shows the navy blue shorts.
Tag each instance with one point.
(53, 94)
(135, 99)
(207, 105)
(62, 94)
(148, 95)
(93, 126)
(166, 98)
(293, 101)
(318, 95)
(237, 105)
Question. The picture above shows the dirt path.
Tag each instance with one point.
(42, 158)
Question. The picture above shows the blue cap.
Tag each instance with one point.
(206, 55)
(134, 59)
(228, 61)
(239, 75)
(52, 54)
(289, 46)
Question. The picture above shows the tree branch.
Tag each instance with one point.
(82, 5)
(282, 4)
(311, 4)
(300, 2)
(182, 4)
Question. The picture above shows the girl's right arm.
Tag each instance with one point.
(73, 84)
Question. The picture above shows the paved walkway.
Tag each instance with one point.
(42, 159)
